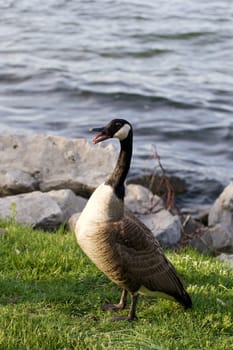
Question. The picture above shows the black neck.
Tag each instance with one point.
(118, 176)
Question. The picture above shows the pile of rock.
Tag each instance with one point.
(45, 163)
(45, 182)
(217, 237)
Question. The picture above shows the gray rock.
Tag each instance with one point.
(54, 162)
(68, 202)
(16, 181)
(35, 209)
(142, 201)
(41, 210)
(150, 210)
(227, 258)
(203, 243)
(164, 226)
(153, 182)
(199, 214)
(221, 221)
(190, 226)
(221, 238)
(72, 221)
(213, 241)
(222, 210)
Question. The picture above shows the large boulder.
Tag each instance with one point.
(41, 210)
(52, 162)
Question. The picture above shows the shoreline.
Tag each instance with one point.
(55, 172)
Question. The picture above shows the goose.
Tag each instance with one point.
(118, 243)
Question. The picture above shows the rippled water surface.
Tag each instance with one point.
(166, 66)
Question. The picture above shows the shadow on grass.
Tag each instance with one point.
(80, 291)
(81, 295)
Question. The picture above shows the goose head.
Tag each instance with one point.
(117, 128)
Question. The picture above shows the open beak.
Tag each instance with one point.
(101, 136)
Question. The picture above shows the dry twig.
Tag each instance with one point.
(164, 183)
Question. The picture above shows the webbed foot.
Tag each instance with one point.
(117, 307)
(132, 311)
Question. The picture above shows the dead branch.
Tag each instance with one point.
(169, 193)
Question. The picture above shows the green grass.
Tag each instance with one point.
(51, 294)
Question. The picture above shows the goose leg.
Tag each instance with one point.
(117, 307)
(132, 311)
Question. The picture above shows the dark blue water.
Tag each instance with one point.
(166, 66)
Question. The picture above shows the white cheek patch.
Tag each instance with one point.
(123, 132)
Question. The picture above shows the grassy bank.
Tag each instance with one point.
(50, 298)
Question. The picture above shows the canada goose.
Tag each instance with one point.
(120, 245)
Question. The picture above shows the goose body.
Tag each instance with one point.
(121, 246)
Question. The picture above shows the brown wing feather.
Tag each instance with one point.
(144, 260)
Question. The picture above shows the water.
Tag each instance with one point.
(166, 66)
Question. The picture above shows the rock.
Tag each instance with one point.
(142, 201)
(203, 243)
(41, 210)
(191, 231)
(221, 221)
(72, 221)
(68, 202)
(222, 210)
(227, 258)
(16, 181)
(213, 241)
(221, 239)
(218, 236)
(164, 226)
(199, 214)
(190, 226)
(153, 183)
(35, 209)
(150, 210)
(53, 162)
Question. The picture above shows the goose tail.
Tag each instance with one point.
(184, 300)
